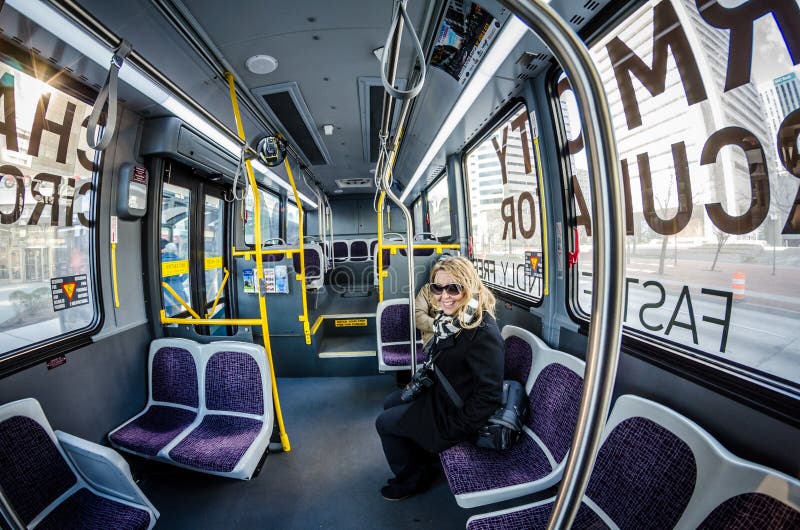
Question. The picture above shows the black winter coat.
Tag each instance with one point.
(472, 361)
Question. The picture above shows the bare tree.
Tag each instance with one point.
(722, 238)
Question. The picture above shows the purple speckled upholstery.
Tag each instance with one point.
(339, 251)
(535, 518)
(233, 383)
(519, 358)
(397, 355)
(86, 511)
(471, 469)
(394, 323)
(174, 377)
(554, 402)
(218, 443)
(153, 430)
(359, 250)
(386, 258)
(752, 511)
(33, 473)
(644, 476)
(313, 270)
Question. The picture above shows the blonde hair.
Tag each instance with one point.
(463, 272)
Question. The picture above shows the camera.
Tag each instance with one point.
(422, 379)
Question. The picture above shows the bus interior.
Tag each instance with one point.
(215, 216)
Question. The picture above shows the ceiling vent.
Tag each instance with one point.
(434, 172)
(355, 183)
(370, 102)
(285, 106)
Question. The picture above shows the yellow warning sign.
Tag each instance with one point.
(173, 268)
(213, 263)
(350, 322)
(69, 289)
(534, 262)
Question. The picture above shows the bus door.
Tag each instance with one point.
(192, 245)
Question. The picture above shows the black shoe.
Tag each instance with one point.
(397, 491)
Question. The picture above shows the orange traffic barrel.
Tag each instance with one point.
(737, 285)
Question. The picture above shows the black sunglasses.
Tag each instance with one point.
(453, 289)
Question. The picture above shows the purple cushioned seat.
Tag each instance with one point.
(643, 477)
(218, 443)
(33, 473)
(340, 251)
(752, 511)
(153, 430)
(554, 402)
(359, 250)
(394, 324)
(174, 377)
(312, 263)
(398, 355)
(518, 360)
(86, 511)
(536, 517)
(471, 469)
(233, 383)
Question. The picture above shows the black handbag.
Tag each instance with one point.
(505, 425)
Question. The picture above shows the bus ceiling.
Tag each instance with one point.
(325, 95)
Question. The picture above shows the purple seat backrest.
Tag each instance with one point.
(643, 477)
(312, 263)
(233, 383)
(359, 250)
(174, 377)
(418, 251)
(385, 258)
(519, 357)
(752, 511)
(554, 402)
(272, 258)
(339, 249)
(33, 473)
(394, 324)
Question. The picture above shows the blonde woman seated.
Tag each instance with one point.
(467, 348)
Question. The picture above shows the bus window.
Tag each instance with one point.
(212, 247)
(292, 224)
(504, 208)
(439, 208)
(710, 190)
(270, 217)
(175, 237)
(46, 229)
(419, 219)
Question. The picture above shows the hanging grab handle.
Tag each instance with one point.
(108, 94)
(402, 95)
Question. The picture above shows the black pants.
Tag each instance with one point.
(408, 461)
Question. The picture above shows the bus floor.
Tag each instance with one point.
(331, 478)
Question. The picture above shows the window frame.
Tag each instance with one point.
(502, 115)
(19, 359)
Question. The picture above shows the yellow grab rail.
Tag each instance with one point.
(180, 300)
(219, 293)
(545, 252)
(379, 247)
(262, 306)
(302, 276)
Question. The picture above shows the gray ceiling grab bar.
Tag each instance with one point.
(608, 252)
(391, 52)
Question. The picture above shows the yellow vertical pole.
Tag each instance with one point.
(380, 246)
(302, 276)
(262, 306)
(540, 173)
